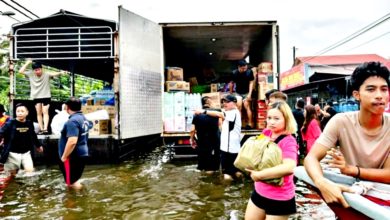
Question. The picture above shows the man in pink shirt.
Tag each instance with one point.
(363, 136)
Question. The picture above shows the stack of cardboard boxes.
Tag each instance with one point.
(175, 80)
(264, 82)
(175, 97)
(261, 114)
(106, 126)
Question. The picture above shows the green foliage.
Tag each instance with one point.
(60, 86)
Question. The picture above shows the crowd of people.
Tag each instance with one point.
(18, 137)
(358, 142)
(362, 139)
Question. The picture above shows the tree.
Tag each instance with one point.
(60, 86)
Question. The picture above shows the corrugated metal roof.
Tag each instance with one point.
(336, 64)
(341, 59)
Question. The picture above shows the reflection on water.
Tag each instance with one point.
(147, 187)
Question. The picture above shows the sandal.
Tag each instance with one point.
(41, 132)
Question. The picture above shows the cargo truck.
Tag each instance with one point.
(133, 54)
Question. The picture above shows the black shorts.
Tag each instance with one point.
(274, 207)
(227, 163)
(75, 170)
(44, 101)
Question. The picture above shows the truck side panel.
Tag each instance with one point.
(140, 76)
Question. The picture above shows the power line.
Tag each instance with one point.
(24, 8)
(16, 9)
(9, 16)
(351, 37)
(356, 34)
(369, 41)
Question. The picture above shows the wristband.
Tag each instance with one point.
(358, 173)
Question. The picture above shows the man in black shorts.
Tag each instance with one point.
(72, 146)
(40, 92)
(243, 79)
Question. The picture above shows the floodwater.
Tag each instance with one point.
(148, 186)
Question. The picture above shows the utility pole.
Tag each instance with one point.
(294, 49)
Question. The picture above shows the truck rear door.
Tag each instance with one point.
(140, 76)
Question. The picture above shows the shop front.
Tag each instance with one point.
(324, 78)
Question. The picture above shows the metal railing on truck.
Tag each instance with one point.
(64, 43)
(59, 86)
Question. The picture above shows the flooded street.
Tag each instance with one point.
(149, 186)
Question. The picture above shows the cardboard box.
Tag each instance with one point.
(92, 108)
(261, 105)
(110, 109)
(265, 67)
(100, 127)
(114, 128)
(262, 89)
(262, 77)
(89, 101)
(261, 124)
(100, 102)
(87, 109)
(214, 87)
(193, 81)
(215, 99)
(177, 86)
(262, 115)
(175, 74)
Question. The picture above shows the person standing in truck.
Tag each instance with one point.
(206, 129)
(40, 91)
(243, 78)
(73, 148)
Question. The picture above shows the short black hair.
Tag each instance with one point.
(366, 70)
(300, 103)
(204, 100)
(242, 63)
(269, 92)
(36, 65)
(73, 104)
(20, 105)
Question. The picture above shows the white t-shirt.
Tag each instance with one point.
(230, 141)
(40, 86)
(357, 145)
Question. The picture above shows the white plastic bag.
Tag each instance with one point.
(58, 121)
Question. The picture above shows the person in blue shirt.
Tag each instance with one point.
(73, 148)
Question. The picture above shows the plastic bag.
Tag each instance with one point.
(58, 121)
(259, 153)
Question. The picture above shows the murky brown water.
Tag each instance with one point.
(147, 187)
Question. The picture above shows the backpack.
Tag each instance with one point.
(258, 153)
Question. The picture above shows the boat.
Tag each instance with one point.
(360, 204)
